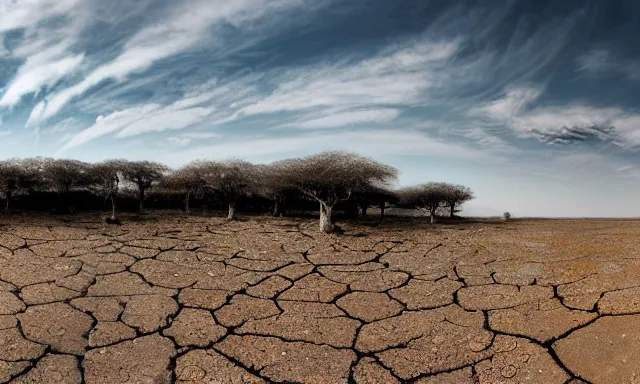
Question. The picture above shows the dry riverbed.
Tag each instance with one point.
(203, 300)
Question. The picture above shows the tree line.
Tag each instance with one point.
(327, 179)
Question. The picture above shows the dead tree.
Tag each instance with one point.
(189, 179)
(426, 197)
(374, 196)
(456, 195)
(272, 186)
(17, 176)
(331, 177)
(230, 179)
(144, 175)
(64, 175)
(105, 181)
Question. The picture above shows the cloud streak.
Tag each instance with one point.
(188, 23)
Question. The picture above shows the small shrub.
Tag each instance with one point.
(506, 216)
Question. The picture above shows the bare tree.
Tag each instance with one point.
(374, 195)
(189, 179)
(144, 175)
(230, 179)
(331, 177)
(456, 195)
(426, 197)
(105, 181)
(272, 186)
(64, 175)
(16, 176)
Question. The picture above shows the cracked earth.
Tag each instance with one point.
(203, 300)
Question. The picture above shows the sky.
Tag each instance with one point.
(531, 103)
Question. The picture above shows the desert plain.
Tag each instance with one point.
(265, 300)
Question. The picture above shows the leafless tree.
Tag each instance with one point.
(105, 181)
(230, 179)
(456, 195)
(144, 175)
(374, 195)
(271, 185)
(330, 177)
(17, 175)
(426, 197)
(64, 175)
(189, 179)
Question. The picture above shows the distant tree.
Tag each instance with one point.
(17, 175)
(272, 186)
(64, 175)
(331, 177)
(374, 196)
(144, 175)
(456, 195)
(105, 180)
(426, 197)
(189, 179)
(230, 180)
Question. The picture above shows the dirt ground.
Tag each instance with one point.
(203, 300)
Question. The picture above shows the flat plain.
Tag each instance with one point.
(261, 300)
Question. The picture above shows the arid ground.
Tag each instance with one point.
(203, 300)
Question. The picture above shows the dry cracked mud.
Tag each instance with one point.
(203, 300)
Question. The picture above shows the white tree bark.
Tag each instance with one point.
(186, 203)
(326, 225)
(232, 211)
(113, 208)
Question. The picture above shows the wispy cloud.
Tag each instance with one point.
(602, 61)
(561, 124)
(371, 143)
(348, 118)
(46, 51)
(187, 24)
(391, 78)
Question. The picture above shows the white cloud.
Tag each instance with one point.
(145, 118)
(188, 24)
(200, 135)
(624, 168)
(45, 49)
(599, 61)
(356, 117)
(5, 133)
(29, 13)
(370, 143)
(509, 107)
(398, 76)
(561, 124)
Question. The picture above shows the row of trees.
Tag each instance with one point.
(327, 178)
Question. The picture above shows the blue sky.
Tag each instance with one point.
(531, 103)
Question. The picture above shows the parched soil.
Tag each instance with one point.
(203, 300)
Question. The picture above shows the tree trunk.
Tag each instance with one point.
(8, 196)
(432, 213)
(186, 203)
(141, 199)
(453, 208)
(276, 209)
(232, 211)
(363, 210)
(326, 225)
(113, 208)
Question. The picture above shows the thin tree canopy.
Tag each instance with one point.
(144, 174)
(230, 179)
(330, 177)
(427, 197)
